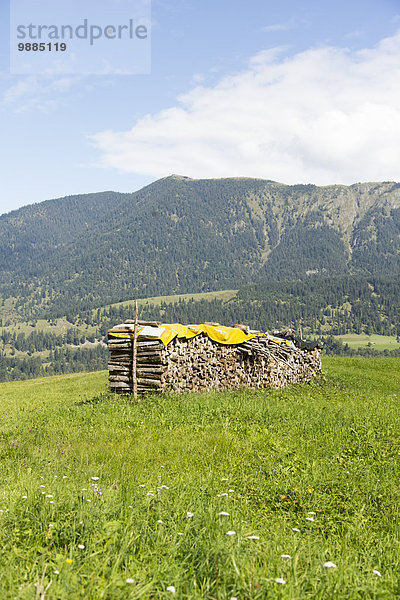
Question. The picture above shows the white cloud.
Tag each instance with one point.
(326, 115)
(45, 93)
(292, 23)
(38, 93)
(279, 26)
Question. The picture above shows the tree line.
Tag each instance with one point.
(59, 362)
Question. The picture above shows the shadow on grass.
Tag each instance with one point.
(105, 397)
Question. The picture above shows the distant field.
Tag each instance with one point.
(378, 342)
(220, 295)
(57, 326)
(234, 495)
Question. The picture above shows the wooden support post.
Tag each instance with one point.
(134, 350)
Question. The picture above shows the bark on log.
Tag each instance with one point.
(144, 323)
(122, 378)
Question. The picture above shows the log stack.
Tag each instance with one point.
(149, 367)
(199, 363)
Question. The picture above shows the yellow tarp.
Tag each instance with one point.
(220, 334)
(217, 333)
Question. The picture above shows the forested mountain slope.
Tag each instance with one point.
(184, 235)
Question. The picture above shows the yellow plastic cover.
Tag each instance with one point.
(217, 333)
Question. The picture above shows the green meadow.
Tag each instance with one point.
(377, 342)
(255, 494)
(157, 300)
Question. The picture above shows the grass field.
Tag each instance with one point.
(241, 495)
(57, 326)
(156, 300)
(378, 342)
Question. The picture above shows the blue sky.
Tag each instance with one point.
(296, 92)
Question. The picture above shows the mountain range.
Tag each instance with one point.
(180, 235)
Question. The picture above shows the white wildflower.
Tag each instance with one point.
(253, 537)
(280, 580)
(95, 478)
(231, 533)
(161, 522)
(378, 573)
(295, 529)
(223, 514)
(311, 512)
(171, 589)
(189, 515)
(329, 565)
(310, 519)
(129, 580)
(81, 546)
(285, 556)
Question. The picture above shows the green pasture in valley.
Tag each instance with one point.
(377, 342)
(157, 300)
(255, 494)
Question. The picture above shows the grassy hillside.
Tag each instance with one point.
(103, 498)
(222, 295)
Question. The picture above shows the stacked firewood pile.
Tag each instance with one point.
(200, 363)
(150, 365)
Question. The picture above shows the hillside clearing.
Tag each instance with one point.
(224, 295)
(378, 342)
(218, 495)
